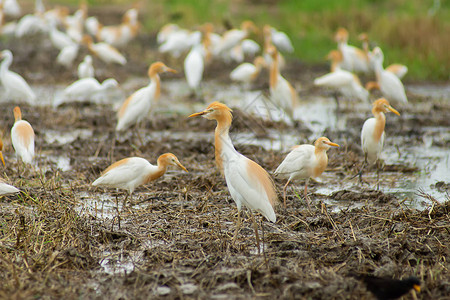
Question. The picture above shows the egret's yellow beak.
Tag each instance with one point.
(332, 144)
(1, 156)
(416, 287)
(393, 110)
(171, 70)
(181, 166)
(197, 114)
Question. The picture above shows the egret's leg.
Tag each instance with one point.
(18, 166)
(138, 125)
(113, 146)
(255, 227)
(336, 98)
(362, 169)
(284, 192)
(125, 200)
(306, 194)
(238, 227)
(378, 174)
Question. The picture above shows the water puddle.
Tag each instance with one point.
(118, 263)
(66, 137)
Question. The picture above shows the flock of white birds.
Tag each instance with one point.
(68, 32)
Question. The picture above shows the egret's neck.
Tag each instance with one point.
(322, 161)
(223, 144)
(274, 71)
(380, 123)
(5, 64)
(365, 46)
(378, 67)
(155, 174)
(156, 82)
(335, 66)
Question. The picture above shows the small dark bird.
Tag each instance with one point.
(388, 288)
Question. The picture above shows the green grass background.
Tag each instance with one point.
(408, 31)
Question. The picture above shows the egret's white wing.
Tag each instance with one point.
(243, 72)
(296, 161)
(245, 189)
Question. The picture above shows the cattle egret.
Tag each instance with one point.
(15, 86)
(304, 162)
(346, 82)
(139, 104)
(131, 172)
(120, 35)
(86, 89)
(249, 184)
(390, 85)
(281, 40)
(233, 37)
(281, 91)
(355, 59)
(179, 42)
(247, 72)
(104, 51)
(67, 55)
(398, 70)
(22, 137)
(85, 68)
(194, 65)
(267, 33)
(372, 134)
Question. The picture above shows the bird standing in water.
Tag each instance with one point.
(22, 137)
(305, 161)
(249, 184)
(129, 173)
(372, 133)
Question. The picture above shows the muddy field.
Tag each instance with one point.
(63, 238)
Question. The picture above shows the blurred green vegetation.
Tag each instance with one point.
(411, 32)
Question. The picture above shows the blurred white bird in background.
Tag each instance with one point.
(354, 59)
(86, 89)
(85, 68)
(347, 83)
(390, 85)
(248, 72)
(104, 51)
(194, 65)
(15, 86)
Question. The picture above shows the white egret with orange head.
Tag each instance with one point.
(22, 137)
(249, 184)
(131, 172)
(372, 133)
(305, 161)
